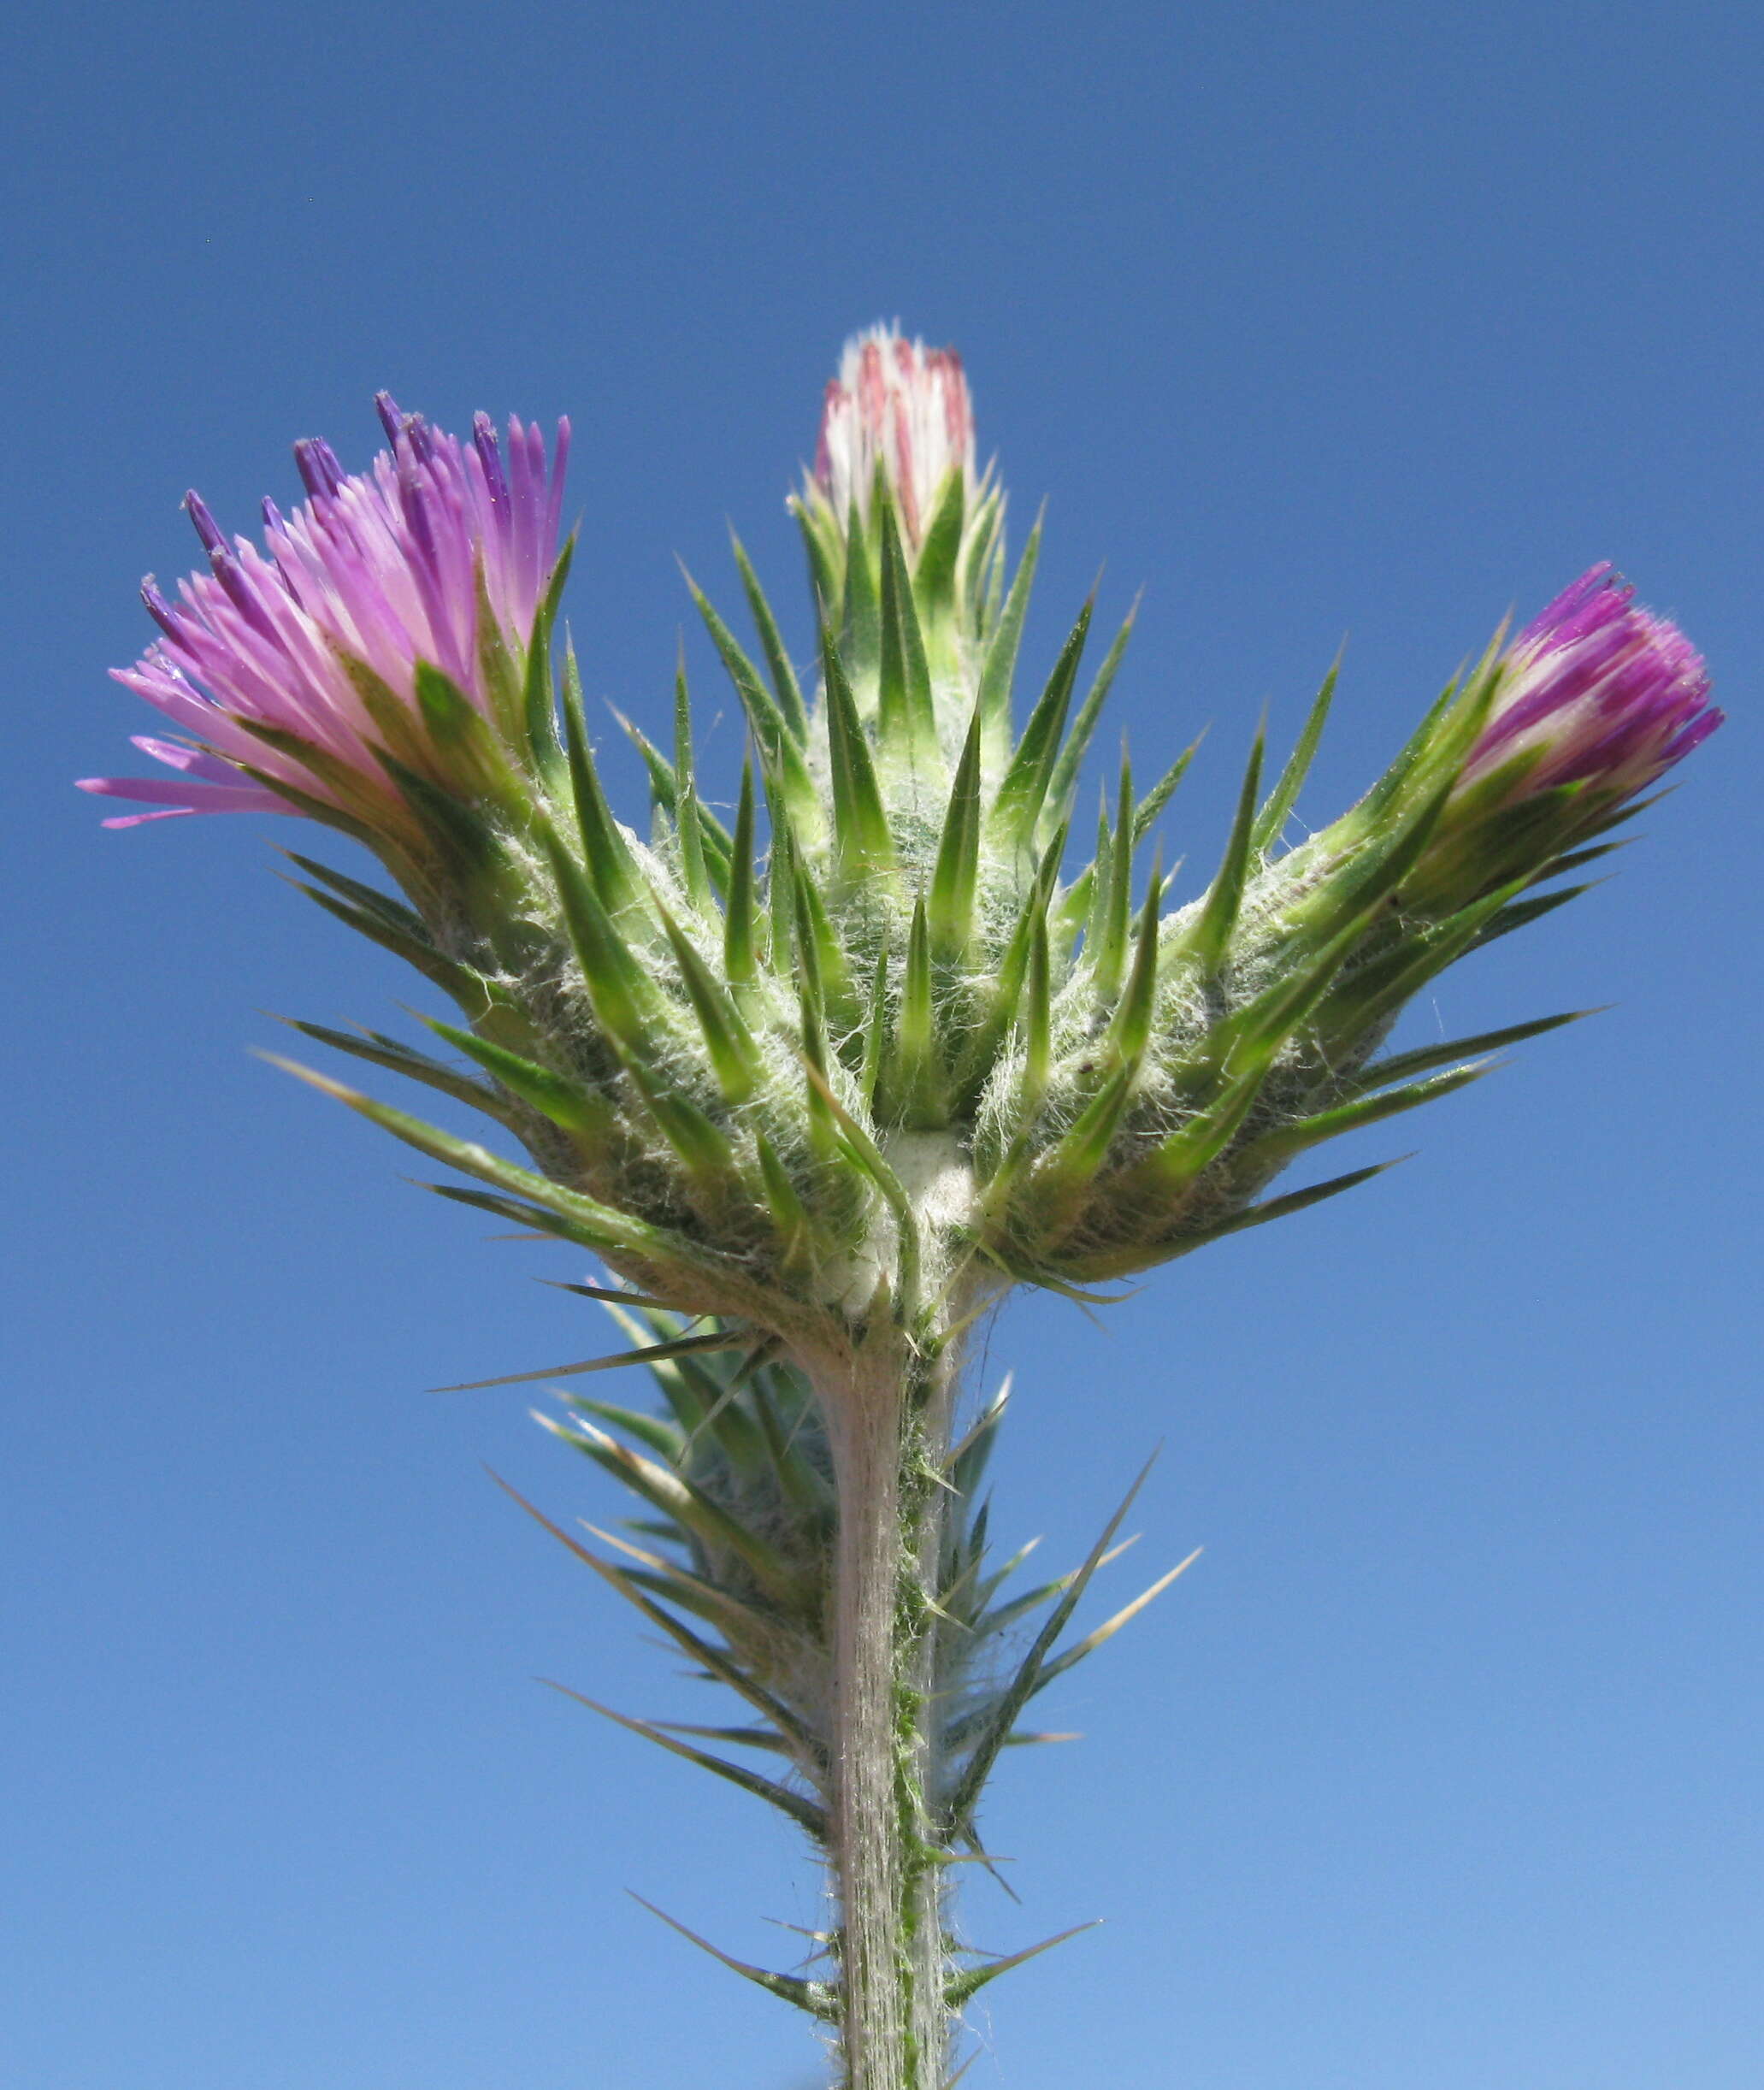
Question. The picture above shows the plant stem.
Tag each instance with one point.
(890, 1422)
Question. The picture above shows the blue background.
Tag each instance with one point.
(1441, 1767)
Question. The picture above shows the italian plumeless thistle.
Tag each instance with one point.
(818, 1086)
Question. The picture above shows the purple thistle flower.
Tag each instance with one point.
(377, 571)
(1595, 691)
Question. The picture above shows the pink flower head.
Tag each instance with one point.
(904, 405)
(1595, 690)
(377, 571)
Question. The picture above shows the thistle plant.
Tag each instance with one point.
(818, 1085)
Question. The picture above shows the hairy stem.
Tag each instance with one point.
(890, 1429)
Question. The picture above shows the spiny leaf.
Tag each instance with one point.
(1207, 939)
(1161, 793)
(459, 741)
(906, 718)
(1131, 1030)
(788, 1213)
(688, 1504)
(875, 1030)
(1062, 783)
(1109, 954)
(958, 1811)
(748, 1738)
(825, 547)
(740, 949)
(657, 1353)
(860, 613)
(814, 1998)
(860, 825)
(623, 996)
(934, 573)
(688, 828)
(703, 1145)
(961, 1987)
(1254, 1032)
(1295, 1200)
(919, 1096)
(802, 1484)
(1559, 867)
(860, 1148)
(734, 1056)
(347, 789)
(967, 1462)
(777, 660)
(980, 575)
(665, 794)
(462, 836)
(399, 1059)
(688, 1384)
(393, 913)
(540, 715)
(470, 989)
(1037, 1026)
(650, 1431)
(767, 721)
(565, 1102)
(764, 715)
(1012, 971)
(1178, 1158)
(1002, 1616)
(1069, 1657)
(1350, 1116)
(614, 1229)
(1284, 797)
(1412, 750)
(799, 1810)
(1000, 663)
(1521, 913)
(608, 857)
(1399, 1066)
(1373, 870)
(392, 715)
(954, 880)
(1381, 987)
(719, 1664)
(540, 1223)
(820, 948)
(1024, 792)
(689, 1592)
(606, 1293)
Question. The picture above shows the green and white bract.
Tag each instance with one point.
(820, 1087)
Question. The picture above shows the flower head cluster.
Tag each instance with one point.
(899, 405)
(278, 665)
(1039, 1080)
(1595, 691)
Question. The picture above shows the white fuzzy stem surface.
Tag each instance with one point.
(890, 1424)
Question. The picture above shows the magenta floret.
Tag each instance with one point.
(1596, 690)
(377, 571)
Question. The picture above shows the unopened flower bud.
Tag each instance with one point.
(1595, 700)
(1594, 690)
(900, 406)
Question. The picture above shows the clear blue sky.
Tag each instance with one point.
(1441, 1770)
